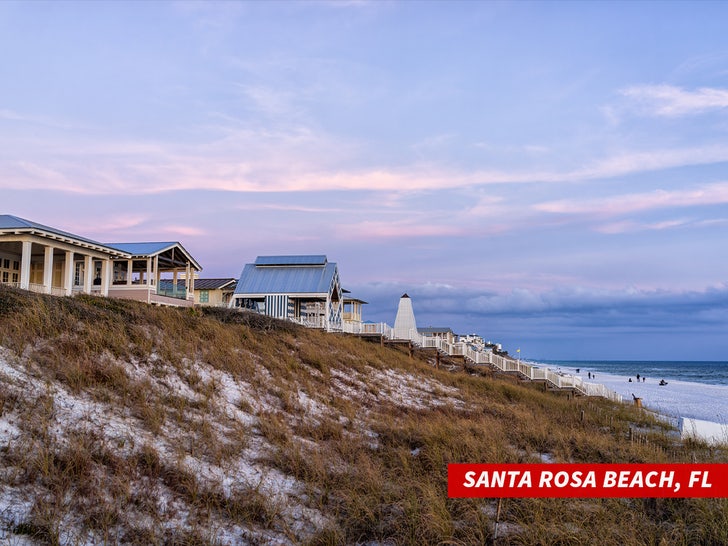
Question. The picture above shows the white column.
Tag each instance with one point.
(129, 265)
(25, 265)
(88, 264)
(68, 275)
(156, 272)
(148, 274)
(105, 276)
(48, 269)
(187, 281)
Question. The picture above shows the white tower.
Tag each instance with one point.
(405, 326)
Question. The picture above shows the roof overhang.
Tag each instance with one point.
(67, 239)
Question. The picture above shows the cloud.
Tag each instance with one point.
(572, 304)
(396, 230)
(710, 194)
(671, 101)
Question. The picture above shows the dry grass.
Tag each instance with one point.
(139, 425)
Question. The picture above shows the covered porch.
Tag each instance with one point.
(51, 264)
(158, 273)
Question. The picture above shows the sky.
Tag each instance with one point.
(550, 175)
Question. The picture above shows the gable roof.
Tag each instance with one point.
(145, 250)
(287, 275)
(15, 224)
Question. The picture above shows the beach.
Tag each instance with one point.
(698, 409)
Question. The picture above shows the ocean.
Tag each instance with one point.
(709, 373)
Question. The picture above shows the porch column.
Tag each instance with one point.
(129, 265)
(105, 276)
(68, 274)
(192, 282)
(88, 264)
(187, 281)
(25, 265)
(148, 274)
(174, 281)
(156, 272)
(48, 269)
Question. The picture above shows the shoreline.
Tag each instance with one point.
(698, 410)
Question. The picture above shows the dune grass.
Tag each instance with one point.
(184, 419)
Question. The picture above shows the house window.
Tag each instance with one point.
(6, 263)
(204, 296)
(16, 265)
(15, 277)
(78, 276)
(6, 276)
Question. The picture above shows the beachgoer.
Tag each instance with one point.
(589, 375)
(643, 379)
(638, 377)
(630, 380)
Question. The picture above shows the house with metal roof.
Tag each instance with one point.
(306, 289)
(152, 273)
(208, 292)
(444, 333)
(44, 259)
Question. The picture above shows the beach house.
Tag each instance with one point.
(152, 273)
(305, 289)
(443, 333)
(214, 292)
(48, 260)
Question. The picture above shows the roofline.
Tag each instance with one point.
(289, 294)
(67, 238)
(194, 262)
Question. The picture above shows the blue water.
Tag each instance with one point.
(711, 373)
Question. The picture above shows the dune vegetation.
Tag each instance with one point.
(122, 423)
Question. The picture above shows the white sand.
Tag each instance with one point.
(701, 409)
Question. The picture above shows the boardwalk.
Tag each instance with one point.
(485, 357)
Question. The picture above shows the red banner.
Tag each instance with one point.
(587, 480)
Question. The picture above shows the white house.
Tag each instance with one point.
(43, 259)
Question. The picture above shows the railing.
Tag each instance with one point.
(508, 365)
(170, 293)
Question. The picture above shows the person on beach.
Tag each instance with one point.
(638, 378)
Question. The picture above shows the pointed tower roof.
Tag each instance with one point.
(405, 326)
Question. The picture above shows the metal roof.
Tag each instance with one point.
(144, 250)
(286, 278)
(214, 284)
(16, 224)
(435, 330)
(311, 259)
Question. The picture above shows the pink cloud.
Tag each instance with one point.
(395, 230)
(623, 204)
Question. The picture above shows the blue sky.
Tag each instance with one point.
(553, 176)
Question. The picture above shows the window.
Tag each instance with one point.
(16, 265)
(6, 263)
(78, 276)
(6, 276)
(15, 277)
(204, 296)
